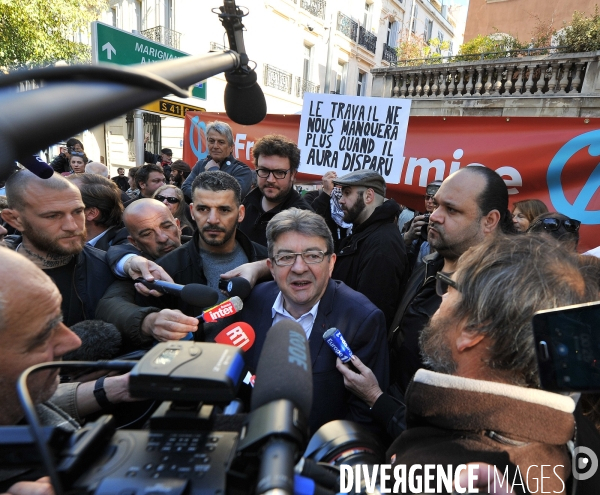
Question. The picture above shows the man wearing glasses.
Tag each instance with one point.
(301, 261)
(277, 160)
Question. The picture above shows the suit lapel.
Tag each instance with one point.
(316, 342)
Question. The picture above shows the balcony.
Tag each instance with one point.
(278, 79)
(347, 26)
(389, 54)
(367, 39)
(315, 7)
(556, 74)
(305, 86)
(163, 35)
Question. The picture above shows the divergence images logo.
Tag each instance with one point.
(585, 463)
(557, 195)
(198, 130)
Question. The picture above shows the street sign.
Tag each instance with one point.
(115, 46)
(172, 108)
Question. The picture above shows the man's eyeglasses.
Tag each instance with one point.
(264, 173)
(442, 282)
(169, 200)
(429, 197)
(551, 224)
(309, 257)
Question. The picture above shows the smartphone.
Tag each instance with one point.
(567, 343)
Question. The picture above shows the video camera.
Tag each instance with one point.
(190, 446)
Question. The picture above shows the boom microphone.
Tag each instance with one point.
(238, 334)
(39, 167)
(194, 294)
(281, 403)
(244, 99)
(99, 340)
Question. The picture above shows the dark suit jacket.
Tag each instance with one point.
(363, 327)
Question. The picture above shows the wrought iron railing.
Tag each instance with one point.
(315, 7)
(216, 47)
(347, 26)
(305, 86)
(163, 35)
(278, 79)
(367, 39)
(389, 54)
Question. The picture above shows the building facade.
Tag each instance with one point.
(297, 46)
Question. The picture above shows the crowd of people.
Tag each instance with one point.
(436, 306)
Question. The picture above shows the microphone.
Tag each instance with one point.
(194, 294)
(244, 99)
(227, 308)
(236, 286)
(99, 340)
(281, 402)
(39, 167)
(237, 334)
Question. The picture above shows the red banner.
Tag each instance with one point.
(548, 158)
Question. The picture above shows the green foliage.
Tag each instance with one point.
(583, 34)
(410, 47)
(40, 32)
(434, 48)
(490, 44)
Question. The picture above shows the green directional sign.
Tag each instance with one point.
(115, 46)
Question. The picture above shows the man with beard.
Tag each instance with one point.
(219, 142)
(480, 402)
(50, 215)
(179, 173)
(217, 246)
(372, 260)
(472, 205)
(277, 160)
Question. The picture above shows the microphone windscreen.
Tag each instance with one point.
(239, 334)
(39, 167)
(99, 341)
(199, 295)
(284, 369)
(238, 286)
(244, 100)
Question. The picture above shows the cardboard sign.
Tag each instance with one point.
(348, 133)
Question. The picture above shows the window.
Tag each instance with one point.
(169, 17)
(360, 87)
(392, 35)
(428, 29)
(367, 16)
(440, 36)
(450, 49)
(413, 27)
(114, 12)
(340, 78)
(137, 5)
(306, 68)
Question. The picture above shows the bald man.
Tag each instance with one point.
(96, 168)
(32, 332)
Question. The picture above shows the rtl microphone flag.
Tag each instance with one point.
(239, 334)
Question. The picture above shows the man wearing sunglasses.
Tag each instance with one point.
(277, 160)
(559, 226)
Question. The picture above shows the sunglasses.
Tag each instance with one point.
(442, 282)
(169, 200)
(552, 224)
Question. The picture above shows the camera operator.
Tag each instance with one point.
(32, 332)
(60, 163)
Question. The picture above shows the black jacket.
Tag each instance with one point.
(230, 165)
(91, 278)
(373, 260)
(255, 222)
(416, 307)
(184, 264)
(60, 164)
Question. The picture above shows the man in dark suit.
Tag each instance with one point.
(301, 260)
